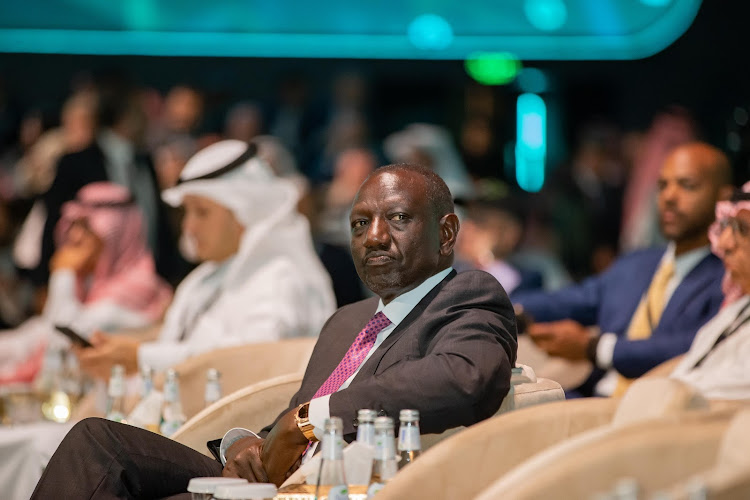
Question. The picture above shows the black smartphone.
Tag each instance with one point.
(214, 446)
(73, 336)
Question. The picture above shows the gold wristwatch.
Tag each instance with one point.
(303, 422)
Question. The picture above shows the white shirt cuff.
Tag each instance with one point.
(318, 412)
(605, 350)
(232, 436)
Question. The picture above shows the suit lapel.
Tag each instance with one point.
(415, 316)
(696, 279)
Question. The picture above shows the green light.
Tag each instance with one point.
(493, 68)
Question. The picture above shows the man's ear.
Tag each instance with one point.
(449, 227)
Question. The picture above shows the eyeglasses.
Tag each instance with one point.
(739, 228)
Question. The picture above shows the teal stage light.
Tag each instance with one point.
(531, 141)
(532, 80)
(430, 32)
(546, 15)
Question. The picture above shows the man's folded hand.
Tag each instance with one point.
(283, 448)
(244, 460)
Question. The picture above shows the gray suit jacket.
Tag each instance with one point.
(450, 358)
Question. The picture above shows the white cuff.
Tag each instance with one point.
(318, 412)
(605, 350)
(232, 436)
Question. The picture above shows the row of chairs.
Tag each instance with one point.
(661, 433)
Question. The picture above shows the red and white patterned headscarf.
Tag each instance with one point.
(125, 272)
(726, 210)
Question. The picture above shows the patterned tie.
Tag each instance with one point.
(648, 314)
(355, 355)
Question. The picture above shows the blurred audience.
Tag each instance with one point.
(491, 232)
(669, 129)
(433, 147)
(648, 304)
(103, 277)
(717, 362)
(259, 279)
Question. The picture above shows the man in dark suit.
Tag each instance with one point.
(435, 341)
(649, 304)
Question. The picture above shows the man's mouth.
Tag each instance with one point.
(378, 259)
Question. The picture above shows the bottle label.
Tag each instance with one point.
(373, 489)
(338, 492)
(333, 447)
(171, 392)
(116, 387)
(408, 438)
(213, 392)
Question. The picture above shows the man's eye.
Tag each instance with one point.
(358, 223)
(399, 217)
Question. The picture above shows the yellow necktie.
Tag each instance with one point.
(648, 313)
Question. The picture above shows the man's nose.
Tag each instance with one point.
(377, 234)
(727, 238)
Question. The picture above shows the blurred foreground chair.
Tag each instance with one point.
(463, 465)
(728, 475)
(653, 453)
(252, 407)
(240, 366)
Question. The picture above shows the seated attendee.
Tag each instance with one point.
(491, 232)
(102, 277)
(440, 342)
(259, 280)
(717, 362)
(650, 303)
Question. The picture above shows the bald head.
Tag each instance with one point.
(693, 178)
(710, 160)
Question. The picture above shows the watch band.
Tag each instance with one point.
(303, 422)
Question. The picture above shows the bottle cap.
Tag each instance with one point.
(209, 484)
(409, 415)
(246, 491)
(383, 423)
(366, 415)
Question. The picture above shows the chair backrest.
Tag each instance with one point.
(462, 465)
(656, 397)
(655, 453)
(241, 366)
(252, 407)
(526, 390)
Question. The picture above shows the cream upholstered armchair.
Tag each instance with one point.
(241, 366)
(525, 390)
(461, 466)
(252, 407)
(727, 477)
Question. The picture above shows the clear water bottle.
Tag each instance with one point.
(331, 480)
(172, 416)
(116, 394)
(366, 426)
(409, 443)
(57, 405)
(213, 386)
(384, 465)
(147, 382)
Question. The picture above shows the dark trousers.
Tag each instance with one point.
(102, 459)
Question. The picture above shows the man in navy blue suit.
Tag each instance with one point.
(649, 304)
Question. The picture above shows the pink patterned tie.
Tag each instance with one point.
(355, 355)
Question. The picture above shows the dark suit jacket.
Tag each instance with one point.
(610, 299)
(450, 358)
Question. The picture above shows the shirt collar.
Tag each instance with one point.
(687, 261)
(400, 307)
